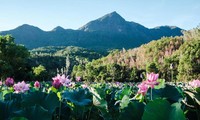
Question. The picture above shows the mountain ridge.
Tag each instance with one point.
(108, 32)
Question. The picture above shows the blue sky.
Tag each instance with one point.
(47, 14)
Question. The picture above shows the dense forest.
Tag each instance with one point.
(174, 58)
(53, 60)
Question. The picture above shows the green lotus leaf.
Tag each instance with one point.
(99, 100)
(160, 109)
(11, 103)
(34, 113)
(19, 118)
(194, 97)
(121, 93)
(78, 96)
(157, 110)
(124, 102)
(133, 111)
(176, 112)
(5, 109)
(48, 101)
(169, 92)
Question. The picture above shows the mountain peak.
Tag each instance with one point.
(112, 16)
(25, 25)
(110, 31)
(28, 27)
(110, 22)
(58, 28)
(166, 27)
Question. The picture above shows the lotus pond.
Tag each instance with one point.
(62, 99)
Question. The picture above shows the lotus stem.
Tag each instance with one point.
(151, 93)
(60, 109)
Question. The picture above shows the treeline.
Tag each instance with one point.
(174, 58)
(41, 63)
(60, 59)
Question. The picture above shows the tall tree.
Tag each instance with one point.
(13, 58)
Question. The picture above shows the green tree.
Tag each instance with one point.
(193, 34)
(40, 72)
(14, 58)
(152, 67)
(115, 72)
(169, 68)
(189, 63)
(134, 74)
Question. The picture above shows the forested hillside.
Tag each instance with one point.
(170, 56)
(175, 58)
(49, 61)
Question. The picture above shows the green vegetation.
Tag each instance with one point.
(13, 59)
(170, 58)
(105, 87)
(99, 101)
(61, 59)
(175, 58)
(189, 63)
(151, 68)
(41, 63)
(40, 72)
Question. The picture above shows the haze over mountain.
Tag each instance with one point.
(108, 32)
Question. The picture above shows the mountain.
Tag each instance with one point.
(108, 32)
(180, 52)
(112, 22)
(58, 28)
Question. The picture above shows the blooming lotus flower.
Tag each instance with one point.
(21, 87)
(152, 79)
(57, 77)
(61, 80)
(65, 81)
(78, 79)
(195, 83)
(9, 82)
(56, 83)
(143, 88)
(37, 84)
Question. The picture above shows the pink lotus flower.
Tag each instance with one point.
(65, 81)
(152, 79)
(143, 88)
(21, 87)
(78, 79)
(1, 83)
(56, 83)
(9, 82)
(37, 84)
(195, 83)
(61, 80)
